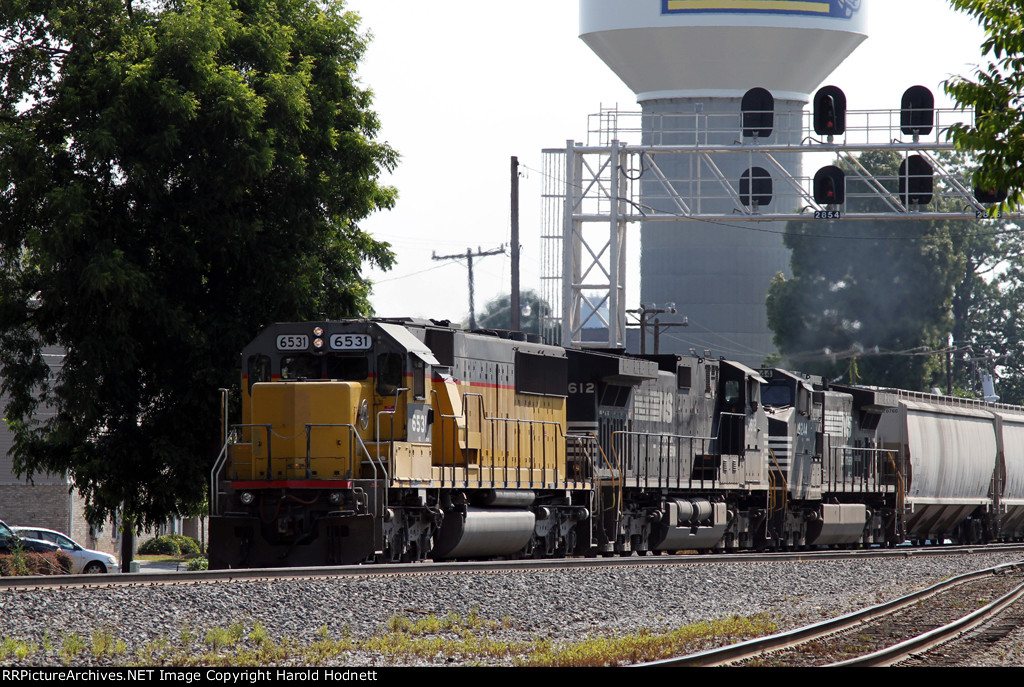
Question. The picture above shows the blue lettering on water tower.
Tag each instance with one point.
(842, 9)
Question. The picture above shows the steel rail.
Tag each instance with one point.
(932, 639)
(427, 568)
(786, 640)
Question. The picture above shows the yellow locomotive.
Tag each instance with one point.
(393, 440)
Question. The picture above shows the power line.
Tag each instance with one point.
(411, 274)
(469, 255)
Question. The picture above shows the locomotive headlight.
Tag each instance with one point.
(364, 415)
(318, 331)
(318, 343)
(336, 498)
(246, 498)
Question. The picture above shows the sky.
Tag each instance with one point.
(461, 86)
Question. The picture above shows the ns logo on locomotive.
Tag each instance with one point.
(401, 440)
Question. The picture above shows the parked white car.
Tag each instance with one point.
(83, 560)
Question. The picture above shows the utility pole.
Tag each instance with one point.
(644, 313)
(514, 300)
(469, 262)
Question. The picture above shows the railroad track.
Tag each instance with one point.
(886, 634)
(190, 577)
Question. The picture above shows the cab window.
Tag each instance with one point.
(346, 368)
(419, 378)
(732, 393)
(389, 373)
(300, 367)
(258, 370)
(777, 395)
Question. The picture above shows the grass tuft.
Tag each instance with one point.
(469, 639)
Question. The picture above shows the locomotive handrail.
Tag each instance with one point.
(455, 439)
(354, 435)
(270, 433)
(382, 486)
(772, 488)
(901, 494)
(218, 465)
(742, 447)
(221, 461)
(222, 457)
(561, 437)
(617, 483)
(842, 478)
(481, 416)
(582, 441)
(436, 406)
(394, 409)
(380, 503)
(663, 436)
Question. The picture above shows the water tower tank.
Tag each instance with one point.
(690, 62)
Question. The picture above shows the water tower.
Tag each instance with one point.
(690, 62)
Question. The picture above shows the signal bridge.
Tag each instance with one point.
(731, 168)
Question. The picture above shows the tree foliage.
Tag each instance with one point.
(909, 304)
(993, 337)
(1000, 348)
(996, 93)
(174, 174)
(987, 308)
(497, 313)
(868, 300)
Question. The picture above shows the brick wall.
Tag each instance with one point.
(39, 505)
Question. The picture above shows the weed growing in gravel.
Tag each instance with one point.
(648, 646)
(218, 638)
(149, 653)
(185, 636)
(15, 648)
(467, 639)
(71, 646)
(259, 634)
(105, 644)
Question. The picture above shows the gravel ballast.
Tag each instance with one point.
(559, 605)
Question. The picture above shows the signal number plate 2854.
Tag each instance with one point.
(351, 342)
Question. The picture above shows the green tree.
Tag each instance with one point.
(868, 300)
(996, 138)
(175, 174)
(996, 93)
(497, 313)
(987, 307)
(1002, 349)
